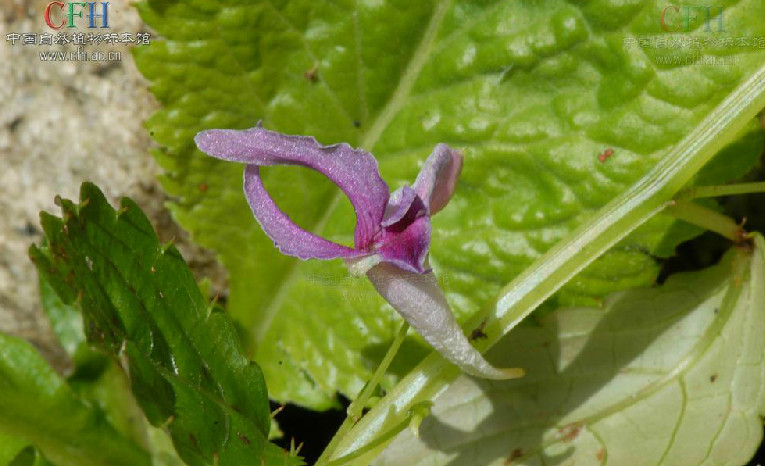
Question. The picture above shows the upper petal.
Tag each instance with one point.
(353, 170)
(399, 204)
(438, 178)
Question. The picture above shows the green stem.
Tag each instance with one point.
(726, 190)
(567, 258)
(380, 440)
(357, 406)
(705, 218)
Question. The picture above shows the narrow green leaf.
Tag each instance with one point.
(533, 92)
(141, 304)
(38, 406)
(661, 376)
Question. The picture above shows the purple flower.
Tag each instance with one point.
(392, 235)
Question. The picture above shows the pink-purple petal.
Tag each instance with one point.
(398, 205)
(406, 244)
(353, 170)
(438, 178)
(287, 236)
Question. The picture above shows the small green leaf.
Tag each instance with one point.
(532, 91)
(38, 406)
(10, 447)
(162, 451)
(30, 456)
(65, 320)
(141, 304)
(737, 159)
(661, 376)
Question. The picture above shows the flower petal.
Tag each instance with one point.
(405, 243)
(406, 231)
(287, 236)
(398, 205)
(419, 299)
(354, 171)
(438, 178)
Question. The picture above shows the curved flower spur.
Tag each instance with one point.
(392, 235)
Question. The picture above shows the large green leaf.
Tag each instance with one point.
(532, 91)
(672, 375)
(39, 407)
(141, 304)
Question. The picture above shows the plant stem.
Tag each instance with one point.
(725, 190)
(567, 258)
(357, 406)
(705, 218)
(382, 439)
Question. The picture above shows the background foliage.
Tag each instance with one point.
(532, 92)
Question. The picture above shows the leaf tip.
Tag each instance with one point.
(512, 373)
(165, 247)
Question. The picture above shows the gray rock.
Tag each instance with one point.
(62, 123)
